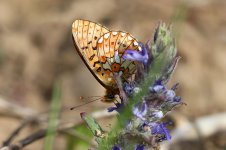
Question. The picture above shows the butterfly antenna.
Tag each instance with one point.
(72, 108)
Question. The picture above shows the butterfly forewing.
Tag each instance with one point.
(85, 36)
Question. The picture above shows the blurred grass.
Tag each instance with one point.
(53, 117)
(178, 19)
(1, 55)
(77, 138)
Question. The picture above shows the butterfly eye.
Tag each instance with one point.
(111, 96)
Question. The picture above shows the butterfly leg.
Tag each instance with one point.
(122, 94)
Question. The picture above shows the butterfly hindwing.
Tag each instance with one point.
(102, 51)
(85, 36)
(110, 49)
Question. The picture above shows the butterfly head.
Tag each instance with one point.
(110, 96)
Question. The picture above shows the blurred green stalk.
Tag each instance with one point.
(53, 117)
(178, 19)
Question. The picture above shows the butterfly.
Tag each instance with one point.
(101, 50)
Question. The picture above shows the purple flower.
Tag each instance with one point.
(177, 99)
(160, 129)
(116, 148)
(141, 56)
(160, 90)
(157, 114)
(175, 86)
(140, 113)
(117, 108)
(158, 87)
(169, 95)
(139, 147)
(129, 88)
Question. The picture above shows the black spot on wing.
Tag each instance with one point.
(91, 57)
(96, 62)
(94, 48)
(99, 69)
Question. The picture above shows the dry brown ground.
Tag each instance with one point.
(36, 50)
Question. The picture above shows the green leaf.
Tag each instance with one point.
(94, 127)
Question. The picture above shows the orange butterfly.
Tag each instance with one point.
(102, 49)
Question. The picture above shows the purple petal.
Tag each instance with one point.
(169, 94)
(158, 82)
(117, 108)
(140, 113)
(160, 128)
(116, 148)
(128, 88)
(175, 86)
(157, 89)
(134, 56)
(177, 99)
(157, 114)
(140, 147)
(141, 56)
(110, 109)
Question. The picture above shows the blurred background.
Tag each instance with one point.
(36, 51)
